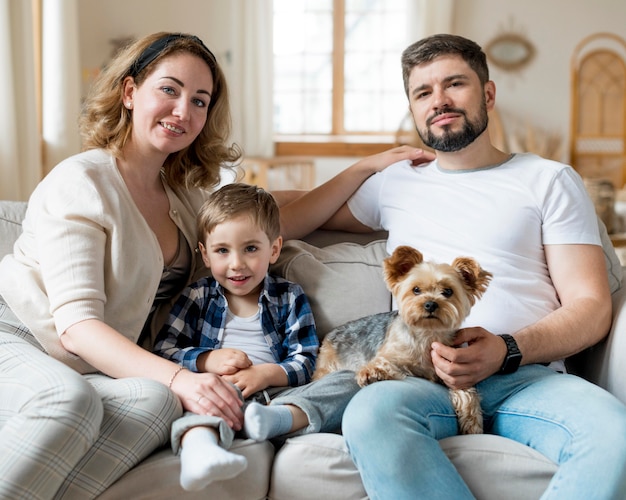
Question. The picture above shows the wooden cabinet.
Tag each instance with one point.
(598, 118)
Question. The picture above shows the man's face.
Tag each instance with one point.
(448, 103)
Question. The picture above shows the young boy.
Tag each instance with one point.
(253, 329)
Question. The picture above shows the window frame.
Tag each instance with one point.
(338, 142)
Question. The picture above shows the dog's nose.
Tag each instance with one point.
(431, 306)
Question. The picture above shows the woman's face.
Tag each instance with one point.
(170, 107)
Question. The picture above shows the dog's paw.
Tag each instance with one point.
(378, 369)
(370, 374)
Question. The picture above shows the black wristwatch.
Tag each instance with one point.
(513, 355)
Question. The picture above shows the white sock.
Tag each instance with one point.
(266, 422)
(203, 461)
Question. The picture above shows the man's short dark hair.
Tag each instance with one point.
(430, 48)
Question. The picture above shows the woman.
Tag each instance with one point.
(108, 241)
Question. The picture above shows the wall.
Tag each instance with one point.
(540, 94)
(216, 22)
(537, 95)
(100, 22)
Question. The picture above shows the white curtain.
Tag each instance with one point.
(61, 80)
(21, 151)
(250, 67)
(435, 16)
(20, 164)
(251, 78)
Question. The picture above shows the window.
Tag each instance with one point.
(337, 69)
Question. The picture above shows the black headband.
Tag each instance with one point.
(155, 48)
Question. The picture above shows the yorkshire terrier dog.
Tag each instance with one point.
(433, 300)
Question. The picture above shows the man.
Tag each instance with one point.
(528, 221)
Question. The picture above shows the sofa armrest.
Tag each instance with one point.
(11, 216)
(605, 363)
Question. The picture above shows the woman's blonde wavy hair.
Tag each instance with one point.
(106, 123)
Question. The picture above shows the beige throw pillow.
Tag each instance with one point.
(342, 281)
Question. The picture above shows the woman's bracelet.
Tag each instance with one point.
(178, 370)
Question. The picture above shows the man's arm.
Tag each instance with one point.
(342, 220)
(584, 318)
(313, 209)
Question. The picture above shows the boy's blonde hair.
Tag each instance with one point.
(236, 199)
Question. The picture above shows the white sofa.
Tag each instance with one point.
(344, 281)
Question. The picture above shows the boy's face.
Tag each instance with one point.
(239, 253)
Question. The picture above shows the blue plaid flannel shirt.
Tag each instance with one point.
(196, 324)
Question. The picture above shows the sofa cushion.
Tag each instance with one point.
(323, 468)
(342, 281)
(492, 466)
(157, 477)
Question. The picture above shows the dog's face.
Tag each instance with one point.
(433, 296)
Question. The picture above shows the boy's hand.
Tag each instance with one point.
(258, 377)
(224, 361)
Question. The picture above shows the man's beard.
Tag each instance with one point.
(450, 142)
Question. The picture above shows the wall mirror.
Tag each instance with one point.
(510, 51)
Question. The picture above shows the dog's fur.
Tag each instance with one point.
(433, 300)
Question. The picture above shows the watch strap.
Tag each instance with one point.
(513, 356)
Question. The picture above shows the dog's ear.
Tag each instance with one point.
(474, 277)
(401, 261)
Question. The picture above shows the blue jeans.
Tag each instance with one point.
(392, 430)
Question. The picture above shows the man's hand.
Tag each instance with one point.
(380, 161)
(461, 367)
(223, 361)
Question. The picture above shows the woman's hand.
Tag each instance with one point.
(209, 394)
(115, 355)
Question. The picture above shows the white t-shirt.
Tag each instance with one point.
(247, 335)
(501, 215)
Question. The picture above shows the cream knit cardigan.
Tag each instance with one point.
(86, 252)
